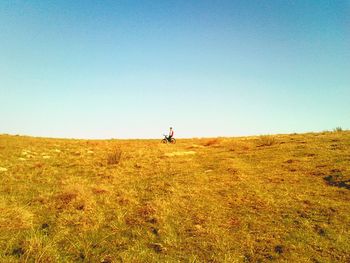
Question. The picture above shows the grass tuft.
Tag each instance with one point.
(114, 157)
(266, 140)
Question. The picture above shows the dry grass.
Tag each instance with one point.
(211, 142)
(266, 140)
(114, 156)
(284, 198)
(338, 129)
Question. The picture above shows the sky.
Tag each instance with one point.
(131, 69)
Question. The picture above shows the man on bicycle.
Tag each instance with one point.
(171, 134)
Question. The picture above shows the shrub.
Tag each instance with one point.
(266, 140)
(337, 129)
(114, 157)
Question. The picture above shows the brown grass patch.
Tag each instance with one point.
(62, 200)
(97, 190)
(114, 157)
(145, 213)
(211, 142)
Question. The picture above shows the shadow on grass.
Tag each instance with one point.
(332, 180)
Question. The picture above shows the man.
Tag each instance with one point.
(171, 134)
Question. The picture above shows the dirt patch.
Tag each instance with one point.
(310, 155)
(291, 161)
(232, 170)
(146, 213)
(97, 190)
(316, 173)
(66, 197)
(157, 247)
(211, 142)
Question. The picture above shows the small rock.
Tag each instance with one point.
(57, 151)
(46, 157)
(90, 152)
(22, 159)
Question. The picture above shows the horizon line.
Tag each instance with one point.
(156, 138)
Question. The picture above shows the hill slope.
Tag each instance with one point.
(284, 198)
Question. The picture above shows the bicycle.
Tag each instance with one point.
(167, 140)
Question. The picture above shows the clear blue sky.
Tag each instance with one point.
(131, 69)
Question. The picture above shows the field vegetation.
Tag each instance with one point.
(282, 198)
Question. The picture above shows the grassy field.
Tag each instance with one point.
(283, 198)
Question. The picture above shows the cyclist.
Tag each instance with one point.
(171, 134)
